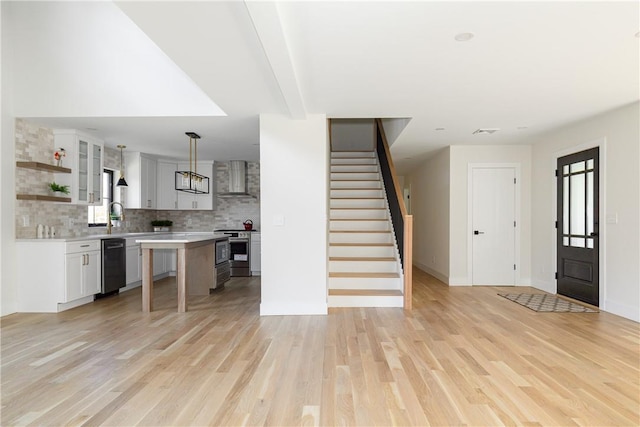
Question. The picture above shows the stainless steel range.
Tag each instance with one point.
(239, 251)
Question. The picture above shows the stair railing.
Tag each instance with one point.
(402, 222)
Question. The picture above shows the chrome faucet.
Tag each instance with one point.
(109, 225)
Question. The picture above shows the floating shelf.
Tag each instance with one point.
(43, 198)
(42, 167)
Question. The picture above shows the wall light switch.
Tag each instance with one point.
(278, 220)
(612, 218)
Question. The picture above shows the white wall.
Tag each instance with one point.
(352, 134)
(461, 157)
(619, 242)
(8, 292)
(430, 209)
(294, 162)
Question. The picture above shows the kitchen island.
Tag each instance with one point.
(195, 265)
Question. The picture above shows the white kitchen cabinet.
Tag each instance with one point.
(140, 172)
(190, 201)
(134, 262)
(255, 254)
(167, 195)
(82, 270)
(84, 155)
(67, 274)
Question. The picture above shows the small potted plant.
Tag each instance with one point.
(161, 224)
(59, 190)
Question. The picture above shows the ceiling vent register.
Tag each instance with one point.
(486, 131)
(191, 181)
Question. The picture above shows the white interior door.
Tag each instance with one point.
(493, 226)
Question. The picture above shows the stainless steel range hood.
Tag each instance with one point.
(237, 179)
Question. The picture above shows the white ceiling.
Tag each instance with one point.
(538, 65)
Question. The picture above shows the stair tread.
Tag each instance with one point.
(361, 244)
(364, 275)
(357, 207)
(355, 180)
(360, 231)
(356, 188)
(361, 258)
(365, 292)
(357, 198)
(358, 219)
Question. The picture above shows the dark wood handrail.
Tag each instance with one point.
(402, 222)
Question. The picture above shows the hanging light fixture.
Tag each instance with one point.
(191, 181)
(121, 181)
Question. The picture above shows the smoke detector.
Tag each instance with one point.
(483, 131)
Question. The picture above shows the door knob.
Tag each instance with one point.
(476, 232)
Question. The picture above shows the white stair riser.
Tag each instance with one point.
(338, 154)
(360, 193)
(363, 266)
(354, 161)
(354, 168)
(336, 176)
(364, 225)
(335, 185)
(365, 301)
(360, 238)
(362, 251)
(378, 283)
(358, 214)
(357, 203)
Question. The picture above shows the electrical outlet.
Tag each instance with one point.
(126, 223)
(71, 222)
(25, 220)
(189, 221)
(433, 259)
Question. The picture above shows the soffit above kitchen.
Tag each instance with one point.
(530, 67)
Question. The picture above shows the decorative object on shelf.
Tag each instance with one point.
(161, 224)
(191, 181)
(248, 225)
(59, 155)
(121, 181)
(59, 190)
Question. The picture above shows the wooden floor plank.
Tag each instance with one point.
(462, 356)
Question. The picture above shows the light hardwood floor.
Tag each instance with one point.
(463, 356)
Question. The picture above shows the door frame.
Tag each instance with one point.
(601, 143)
(518, 219)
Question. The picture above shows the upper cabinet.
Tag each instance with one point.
(84, 155)
(190, 201)
(140, 172)
(166, 191)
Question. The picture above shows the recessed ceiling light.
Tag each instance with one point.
(483, 131)
(464, 37)
(439, 128)
(522, 127)
(92, 129)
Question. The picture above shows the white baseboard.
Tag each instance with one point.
(292, 309)
(442, 277)
(459, 281)
(544, 286)
(622, 310)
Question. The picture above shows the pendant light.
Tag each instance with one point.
(121, 181)
(191, 181)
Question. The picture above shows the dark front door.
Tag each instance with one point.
(578, 221)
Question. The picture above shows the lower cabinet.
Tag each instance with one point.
(256, 256)
(134, 262)
(83, 275)
(67, 274)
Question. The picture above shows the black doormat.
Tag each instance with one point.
(547, 303)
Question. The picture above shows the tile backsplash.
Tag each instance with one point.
(35, 143)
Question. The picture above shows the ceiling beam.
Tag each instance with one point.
(266, 21)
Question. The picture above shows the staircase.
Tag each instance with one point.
(364, 268)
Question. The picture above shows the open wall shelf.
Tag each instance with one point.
(43, 198)
(42, 167)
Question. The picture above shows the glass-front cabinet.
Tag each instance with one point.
(84, 155)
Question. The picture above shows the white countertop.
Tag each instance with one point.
(151, 234)
(182, 238)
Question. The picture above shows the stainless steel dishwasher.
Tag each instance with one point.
(114, 267)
